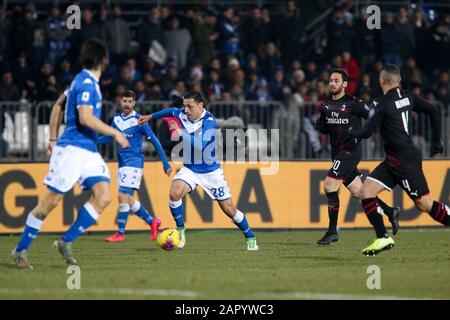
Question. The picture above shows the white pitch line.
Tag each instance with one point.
(333, 296)
(103, 291)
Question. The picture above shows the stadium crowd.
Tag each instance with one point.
(257, 54)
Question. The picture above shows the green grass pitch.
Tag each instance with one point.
(216, 265)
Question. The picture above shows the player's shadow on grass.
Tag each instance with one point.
(11, 266)
(289, 243)
(312, 258)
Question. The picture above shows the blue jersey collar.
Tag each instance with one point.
(199, 119)
(132, 114)
(91, 74)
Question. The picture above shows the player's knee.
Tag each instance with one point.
(422, 205)
(48, 203)
(123, 198)
(365, 193)
(329, 186)
(103, 200)
(175, 194)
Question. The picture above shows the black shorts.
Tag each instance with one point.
(410, 177)
(345, 170)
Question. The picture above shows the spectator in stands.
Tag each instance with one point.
(421, 27)
(254, 31)
(251, 65)
(290, 32)
(277, 84)
(125, 77)
(23, 76)
(135, 73)
(9, 91)
(37, 50)
(155, 92)
(350, 64)
(168, 81)
(58, 35)
(412, 75)
(443, 80)
(339, 34)
(3, 36)
(270, 60)
(177, 42)
(64, 74)
(51, 89)
(44, 72)
(102, 25)
(406, 28)
(214, 86)
(204, 37)
(391, 41)
(140, 91)
(311, 71)
(118, 36)
(287, 117)
(364, 85)
(438, 48)
(366, 41)
(90, 29)
(229, 33)
(149, 30)
(178, 90)
(443, 96)
(298, 78)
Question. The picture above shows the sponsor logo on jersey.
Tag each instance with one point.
(336, 120)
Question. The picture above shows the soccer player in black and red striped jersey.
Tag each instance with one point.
(340, 113)
(403, 163)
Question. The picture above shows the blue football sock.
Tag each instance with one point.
(87, 216)
(176, 208)
(241, 221)
(30, 232)
(140, 211)
(122, 217)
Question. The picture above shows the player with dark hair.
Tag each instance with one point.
(339, 113)
(403, 163)
(201, 166)
(131, 164)
(75, 158)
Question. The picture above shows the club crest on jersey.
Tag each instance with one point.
(343, 108)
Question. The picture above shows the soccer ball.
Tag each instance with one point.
(168, 239)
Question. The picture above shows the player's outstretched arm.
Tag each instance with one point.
(169, 112)
(87, 119)
(434, 112)
(55, 121)
(155, 141)
(374, 120)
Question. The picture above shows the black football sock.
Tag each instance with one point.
(333, 210)
(376, 219)
(388, 211)
(440, 214)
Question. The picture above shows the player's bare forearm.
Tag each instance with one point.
(88, 120)
(56, 117)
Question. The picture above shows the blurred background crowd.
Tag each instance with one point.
(231, 53)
